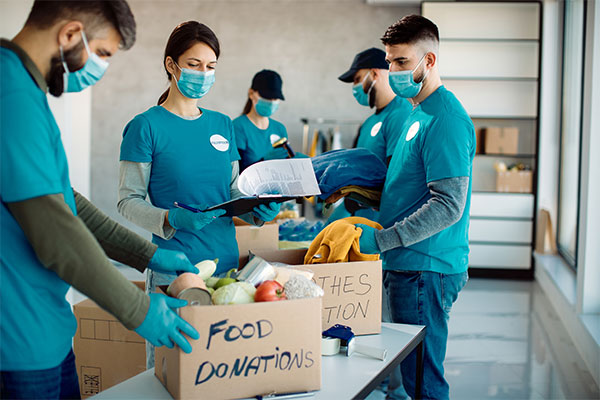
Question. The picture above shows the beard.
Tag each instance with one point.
(421, 77)
(56, 84)
(372, 97)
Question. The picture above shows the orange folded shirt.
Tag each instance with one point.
(339, 242)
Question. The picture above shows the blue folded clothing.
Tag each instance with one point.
(338, 168)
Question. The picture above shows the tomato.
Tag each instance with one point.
(269, 291)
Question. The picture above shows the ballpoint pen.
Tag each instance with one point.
(186, 207)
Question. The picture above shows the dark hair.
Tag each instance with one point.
(94, 14)
(247, 107)
(411, 29)
(182, 38)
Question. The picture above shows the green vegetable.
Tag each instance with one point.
(234, 293)
(227, 280)
(224, 282)
(211, 282)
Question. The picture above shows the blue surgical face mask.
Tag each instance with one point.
(403, 83)
(91, 72)
(266, 108)
(194, 84)
(359, 92)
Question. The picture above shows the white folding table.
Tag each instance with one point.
(341, 377)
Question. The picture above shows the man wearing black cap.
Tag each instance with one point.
(255, 131)
(369, 75)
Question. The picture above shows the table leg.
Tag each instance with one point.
(419, 371)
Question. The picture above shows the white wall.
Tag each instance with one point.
(72, 112)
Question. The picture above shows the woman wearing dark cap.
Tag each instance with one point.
(255, 131)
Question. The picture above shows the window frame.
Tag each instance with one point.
(571, 259)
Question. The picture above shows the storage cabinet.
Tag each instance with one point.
(490, 59)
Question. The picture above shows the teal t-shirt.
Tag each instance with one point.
(36, 322)
(253, 143)
(437, 142)
(191, 163)
(379, 133)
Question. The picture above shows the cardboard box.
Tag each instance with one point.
(501, 140)
(106, 352)
(251, 237)
(246, 350)
(352, 290)
(514, 181)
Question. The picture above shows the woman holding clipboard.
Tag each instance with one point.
(179, 152)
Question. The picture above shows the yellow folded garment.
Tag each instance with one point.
(339, 242)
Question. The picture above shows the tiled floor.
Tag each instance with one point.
(506, 342)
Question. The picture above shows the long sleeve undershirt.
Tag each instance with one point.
(134, 178)
(443, 209)
(76, 249)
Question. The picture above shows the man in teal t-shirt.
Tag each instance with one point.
(425, 201)
(378, 133)
(369, 77)
(51, 237)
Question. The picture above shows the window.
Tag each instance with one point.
(570, 146)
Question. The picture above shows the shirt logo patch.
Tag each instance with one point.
(412, 131)
(274, 138)
(375, 129)
(219, 142)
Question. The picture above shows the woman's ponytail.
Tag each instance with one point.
(163, 97)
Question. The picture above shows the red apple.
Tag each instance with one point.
(269, 291)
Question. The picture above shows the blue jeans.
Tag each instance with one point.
(60, 382)
(424, 298)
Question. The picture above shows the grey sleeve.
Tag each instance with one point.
(443, 209)
(133, 190)
(236, 193)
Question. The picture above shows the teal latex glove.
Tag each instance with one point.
(171, 262)
(276, 154)
(267, 213)
(180, 218)
(367, 242)
(163, 327)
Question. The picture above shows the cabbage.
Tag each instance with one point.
(234, 293)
